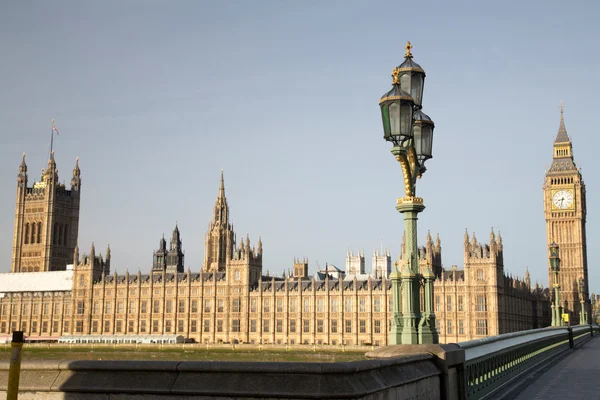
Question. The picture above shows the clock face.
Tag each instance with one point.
(562, 199)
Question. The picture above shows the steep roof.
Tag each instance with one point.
(562, 136)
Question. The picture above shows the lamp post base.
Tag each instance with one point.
(410, 207)
(396, 328)
(427, 336)
(396, 333)
(410, 334)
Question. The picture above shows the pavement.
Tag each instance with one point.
(577, 376)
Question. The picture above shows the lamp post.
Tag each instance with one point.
(582, 312)
(411, 133)
(555, 266)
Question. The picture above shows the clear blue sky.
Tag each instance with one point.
(155, 97)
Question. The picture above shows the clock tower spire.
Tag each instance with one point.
(565, 212)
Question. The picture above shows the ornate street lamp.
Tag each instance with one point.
(411, 133)
(555, 267)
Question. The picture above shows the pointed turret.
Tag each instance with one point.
(22, 177)
(159, 263)
(222, 186)
(438, 242)
(93, 255)
(76, 255)
(51, 173)
(175, 238)
(107, 259)
(562, 159)
(221, 212)
(220, 243)
(76, 180)
(562, 136)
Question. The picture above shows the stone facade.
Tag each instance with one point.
(565, 213)
(231, 300)
(46, 220)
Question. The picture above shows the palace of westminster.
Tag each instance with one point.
(54, 291)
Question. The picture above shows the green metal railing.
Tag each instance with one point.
(493, 363)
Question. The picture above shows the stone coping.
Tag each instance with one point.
(258, 379)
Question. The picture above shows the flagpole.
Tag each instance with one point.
(52, 138)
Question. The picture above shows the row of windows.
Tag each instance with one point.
(320, 327)
(168, 308)
(35, 308)
(235, 326)
(45, 326)
(60, 234)
(562, 152)
(561, 181)
(481, 327)
(220, 306)
(481, 303)
(168, 326)
(33, 233)
(334, 305)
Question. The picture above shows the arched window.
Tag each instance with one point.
(39, 232)
(480, 275)
(60, 234)
(34, 233)
(27, 233)
(65, 235)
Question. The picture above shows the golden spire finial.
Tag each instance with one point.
(395, 74)
(562, 107)
(408, 46)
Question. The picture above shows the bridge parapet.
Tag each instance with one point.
(496, 364)
(477, 369)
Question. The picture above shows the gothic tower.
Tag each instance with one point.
(428, 255)
(565, 211)
(382, 264)
(46, 220)
(170, 261)
(301, 268)
(219, 242)
(484, 281)
(355, 264)
(159, 262)
(175, 255)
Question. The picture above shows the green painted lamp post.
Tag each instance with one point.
(582, 312)
(555, 266)
(411, 133)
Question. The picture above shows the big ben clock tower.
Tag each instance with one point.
(565, 211)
